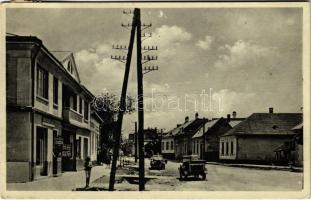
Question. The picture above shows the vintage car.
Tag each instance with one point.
(192, 166)
(157, 162)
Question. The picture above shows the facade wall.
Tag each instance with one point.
(53, 128)
(197, 146)
(228, 148)
(18, 73)
(259, 148)
(83, 138)
(18, 146)
(167, 145)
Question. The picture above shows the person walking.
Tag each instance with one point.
(87, 167)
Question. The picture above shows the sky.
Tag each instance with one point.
(211, 60)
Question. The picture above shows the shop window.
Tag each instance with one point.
(167, 145)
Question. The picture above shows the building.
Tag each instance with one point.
(291, 151)
(256, 138)
(48, 112)
(95, 126)
(182, 139)
(168, 144)
(210, 132)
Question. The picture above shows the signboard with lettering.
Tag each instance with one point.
(58, 146)
(67, 150)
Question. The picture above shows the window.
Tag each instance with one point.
(172, 145)
(227, 148)
(167, 145)
(55, 90)
(42, 83)
(162, 145)
(74, 102)
(231, 147)
(86, 111)
(222, 148)
(185, 150)
(80, 105)
(197, 146)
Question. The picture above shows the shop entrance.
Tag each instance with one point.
(41, 152)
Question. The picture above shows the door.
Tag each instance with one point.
(41, 152)
(55, 153)
(85, 148)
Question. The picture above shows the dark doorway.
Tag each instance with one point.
(41, 152)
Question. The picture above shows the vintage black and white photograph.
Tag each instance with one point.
(156, 97)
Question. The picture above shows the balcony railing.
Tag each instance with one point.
(69, 114)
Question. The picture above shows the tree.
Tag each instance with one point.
(107, 106)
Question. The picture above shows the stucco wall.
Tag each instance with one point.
(258, 148)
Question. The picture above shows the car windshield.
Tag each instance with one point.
(190, 158)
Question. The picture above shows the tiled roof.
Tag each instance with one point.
(267, 124)
(207, 125)
(234, 123)
(176, 130)
(298, 127)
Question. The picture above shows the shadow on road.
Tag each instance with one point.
(190, 179)
(91, 189)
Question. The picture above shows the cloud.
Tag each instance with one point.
(168, 38)
(161, 14)
(225, 101)
(97, 70)
(245, 54)
(206, 43)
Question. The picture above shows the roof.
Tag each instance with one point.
(207, 125)
(192, 127)
(234, 123)
(298, 127)
(176, 130)
(267, 124)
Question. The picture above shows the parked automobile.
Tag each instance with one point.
(157, 162)
(192, 166)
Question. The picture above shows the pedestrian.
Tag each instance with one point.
(108, 161)
(87, 167)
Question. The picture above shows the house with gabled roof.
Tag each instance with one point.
(182, 139)
(207, 137)
(167, 143)
(256, 138)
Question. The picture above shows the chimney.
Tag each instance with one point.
(270, 110)
(196, 115)
(228, 117)
(233, 114)
(186, 119)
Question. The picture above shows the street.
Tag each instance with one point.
(219, 178)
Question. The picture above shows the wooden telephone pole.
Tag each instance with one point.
(122, 108)
(136, 24)
(140, 99)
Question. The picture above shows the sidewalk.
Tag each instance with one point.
(265, 167)
(68, 181)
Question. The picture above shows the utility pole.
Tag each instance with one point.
(122, 104)
(136, 143)
(140, 107)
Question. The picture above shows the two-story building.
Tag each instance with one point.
(48, 112)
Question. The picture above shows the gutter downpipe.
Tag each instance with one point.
(33, 64)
